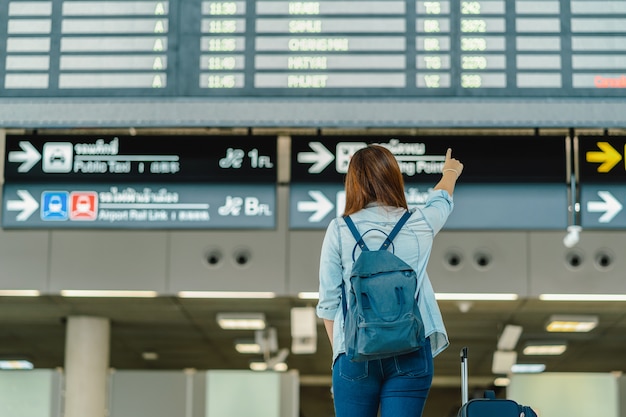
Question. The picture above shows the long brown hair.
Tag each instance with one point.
(373, 176)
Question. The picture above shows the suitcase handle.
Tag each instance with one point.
(464, 381)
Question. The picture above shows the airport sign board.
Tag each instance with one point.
(115, 158)
(487, 158)
(139, 206)
(145, 182)
(476, 206)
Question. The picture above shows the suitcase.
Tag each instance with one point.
(489, 406)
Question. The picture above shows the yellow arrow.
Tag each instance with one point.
(609, 157)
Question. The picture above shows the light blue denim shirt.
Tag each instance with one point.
(413, 245)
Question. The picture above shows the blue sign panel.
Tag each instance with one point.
(509, 207)
(139, 206)
(477, 206)
(602, 206)
(313, 206)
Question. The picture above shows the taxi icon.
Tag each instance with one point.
(57, 157)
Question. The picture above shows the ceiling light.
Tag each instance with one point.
(309, 295)
(502, 382)
(545, 348)
(19, 293)
(247, 346)
(277, 363)
(582, 297)
(15, 364)
(509, 337)
(258, 366)
(264, 366)
(109, 293)
(503, 361)
(528, 368)
(464, 306)
(476, 296)
(226, 294)
(241, 321)
(562, 323)
(280, 367)
(150, 356)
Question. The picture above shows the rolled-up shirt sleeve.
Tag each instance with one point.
(330, 273)
(438, 207)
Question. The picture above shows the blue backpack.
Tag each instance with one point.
(381, 315)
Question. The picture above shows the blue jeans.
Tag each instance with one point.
(399, 385)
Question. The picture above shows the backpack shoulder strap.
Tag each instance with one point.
(396, 229)
(344, 304)
(355, 233)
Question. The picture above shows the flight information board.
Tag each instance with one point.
(201, 48)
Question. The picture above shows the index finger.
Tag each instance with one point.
(448, 154)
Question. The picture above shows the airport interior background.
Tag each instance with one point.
(170, 166)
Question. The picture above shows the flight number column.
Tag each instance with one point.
(222, 45)
(334, 44)
(433, 45)
(482, 27)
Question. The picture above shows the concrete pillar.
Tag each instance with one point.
(86, 366)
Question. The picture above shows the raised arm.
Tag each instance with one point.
(451, 172)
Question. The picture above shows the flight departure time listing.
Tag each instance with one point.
(406, 48)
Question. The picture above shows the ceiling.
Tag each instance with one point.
(184, 334)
